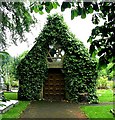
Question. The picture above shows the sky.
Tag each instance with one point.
(80, 27)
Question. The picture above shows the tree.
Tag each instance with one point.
(16, 18)
(104, 46)
(5, 58)
(14, 63)
(108, 72)
(9, 70)
(8, 66)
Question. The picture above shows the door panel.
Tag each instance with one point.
(54, 86)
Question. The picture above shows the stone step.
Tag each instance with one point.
(5, 106)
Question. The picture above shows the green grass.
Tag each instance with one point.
(105, 95)
(98, 111)
(11, 95)
(16, 111)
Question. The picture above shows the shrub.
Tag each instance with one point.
(15, 84)
(110, 84)
(113, 85)
(102, 82)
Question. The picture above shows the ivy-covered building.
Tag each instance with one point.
(57, 67)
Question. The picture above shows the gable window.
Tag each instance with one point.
(55, 55)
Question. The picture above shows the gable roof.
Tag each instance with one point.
(56, 30)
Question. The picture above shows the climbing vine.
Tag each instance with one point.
(78, 67)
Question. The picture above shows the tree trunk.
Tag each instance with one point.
(8, 87)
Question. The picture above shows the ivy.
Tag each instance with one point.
(78, 67)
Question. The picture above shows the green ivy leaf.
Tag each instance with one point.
(57, 3)
(79, 9)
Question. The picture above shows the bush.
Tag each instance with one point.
(15, 84)
(102, 82)
(110, 84)
(113, 85)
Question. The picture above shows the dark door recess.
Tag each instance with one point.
(54, 86)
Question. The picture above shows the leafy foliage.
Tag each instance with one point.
(104, 45)
(79, 68)
(16, 18)
(108, 71)
(8, 68)
(4, 59)
(102, 83)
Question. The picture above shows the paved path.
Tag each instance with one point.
(43, 109)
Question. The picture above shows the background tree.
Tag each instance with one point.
(5, 58)
(17, 19)
(10, 73)
(14, 63)
(8, 67)
(102, 38)
(108, 72)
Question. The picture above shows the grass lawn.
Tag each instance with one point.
(16, 111)
(98, 111)
(11, 95)
(105, 95)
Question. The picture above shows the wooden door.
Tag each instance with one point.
(54, 86)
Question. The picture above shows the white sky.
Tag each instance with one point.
(80, 27)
